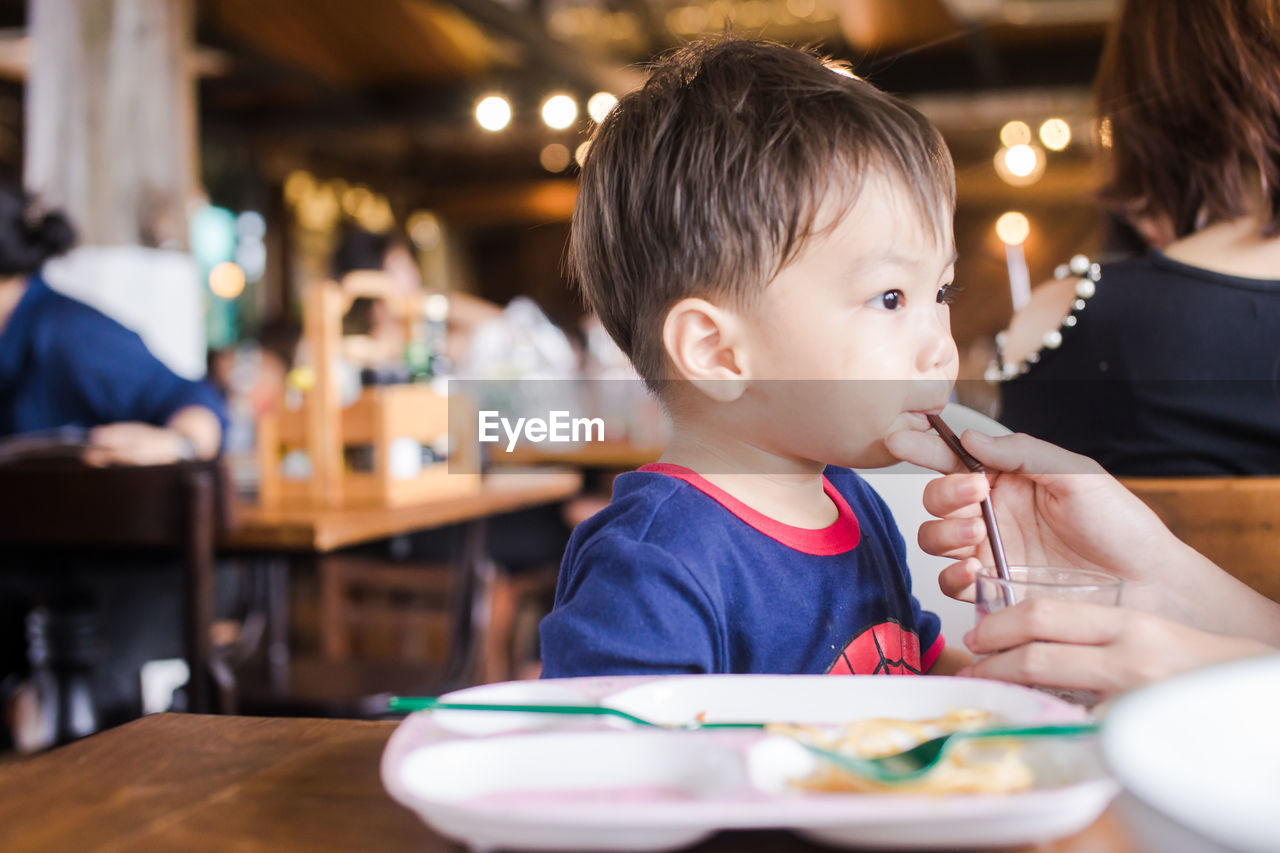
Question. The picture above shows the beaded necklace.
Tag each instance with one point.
(1089, 274)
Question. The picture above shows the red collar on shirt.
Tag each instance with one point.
(839, 537)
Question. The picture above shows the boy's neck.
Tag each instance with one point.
(785, 489)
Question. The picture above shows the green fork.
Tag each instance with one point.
(405, 704)
(899, 767)
(915, 762)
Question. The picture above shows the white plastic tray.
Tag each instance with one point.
(540, 782)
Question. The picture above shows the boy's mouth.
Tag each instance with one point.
(919, 418)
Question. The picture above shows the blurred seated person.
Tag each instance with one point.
(379, 274)
(63, 363)
(1166, 363)
(377, 270)
(466, 313)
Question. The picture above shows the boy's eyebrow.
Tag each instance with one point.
(900, 260)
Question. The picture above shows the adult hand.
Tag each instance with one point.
(132, 443)
(1070, 644)
(1054, 507)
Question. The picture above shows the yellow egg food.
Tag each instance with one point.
(968, 766)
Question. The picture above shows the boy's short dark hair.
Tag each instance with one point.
(707, 180)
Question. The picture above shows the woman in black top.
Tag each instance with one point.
(1170, 363)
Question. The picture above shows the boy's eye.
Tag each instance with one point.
(890, 300)
(947, 294)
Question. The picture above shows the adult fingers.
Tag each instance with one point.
(1021, 454)
(108, 436)
(923, 449)
(121, 440)
(951, 537)
(955, 494)
(1053, 665)
(1047, 620)
(956, 580)
(96, 457)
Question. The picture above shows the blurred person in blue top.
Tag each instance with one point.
(65, 364)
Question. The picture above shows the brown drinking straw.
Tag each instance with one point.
(988, 513)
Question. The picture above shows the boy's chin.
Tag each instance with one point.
(875, 456)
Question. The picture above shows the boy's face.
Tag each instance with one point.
(852, 340)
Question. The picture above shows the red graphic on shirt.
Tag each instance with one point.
(883, 649)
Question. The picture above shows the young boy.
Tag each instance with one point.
(757, 230)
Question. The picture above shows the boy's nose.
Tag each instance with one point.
(937, 351)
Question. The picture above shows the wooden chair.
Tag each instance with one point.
(66, 507)
(358, 597)
(1234, 521)
(359, 592)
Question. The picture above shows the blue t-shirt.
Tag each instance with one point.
(677, 576)
(63, 363)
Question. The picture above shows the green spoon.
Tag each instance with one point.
(920, 759)
(405, 704)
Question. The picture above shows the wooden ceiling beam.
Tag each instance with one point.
(534, 202)
(543, 51)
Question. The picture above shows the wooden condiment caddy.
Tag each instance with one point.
(383, 414)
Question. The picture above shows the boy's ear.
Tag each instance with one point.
(704, 343)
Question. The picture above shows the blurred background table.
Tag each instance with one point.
(612, 455)
(195, 783)
(477, 633)
(321, 530)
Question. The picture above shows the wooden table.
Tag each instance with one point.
(601, 454)
(202, 783)
(319, 530)
(316, 533)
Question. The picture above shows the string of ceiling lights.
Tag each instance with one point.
(559, 111)
(1020, 162)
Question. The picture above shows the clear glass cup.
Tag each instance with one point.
(1063, 584)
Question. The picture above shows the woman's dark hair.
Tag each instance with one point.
(29, 235)
(1191, 91)
(359, 249)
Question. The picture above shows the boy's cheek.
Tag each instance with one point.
(855, 441)
(874, 456)
(839, 422)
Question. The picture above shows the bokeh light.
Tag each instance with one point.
(1015, 133)
(599, 105)
(425, 230)
(493, 113)
(1055, 134)
(555, 157)
(1013, 228)
(250, 225)
(1020, 160)
(436, 308)
(226, 280)
(802, 9)
(559, 111)
(298, 186)
(1020, 165)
